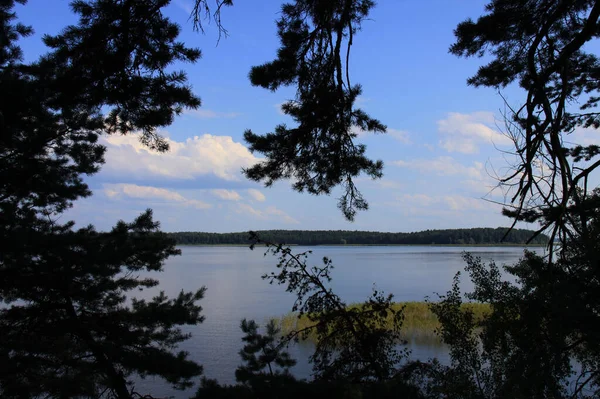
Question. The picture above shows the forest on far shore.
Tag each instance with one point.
(474, 236)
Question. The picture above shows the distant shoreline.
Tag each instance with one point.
(484, 236)
(373, 245)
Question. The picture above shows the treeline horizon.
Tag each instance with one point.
(465, 236)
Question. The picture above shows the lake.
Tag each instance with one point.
(235, 291)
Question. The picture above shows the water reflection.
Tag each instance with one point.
(236, 290)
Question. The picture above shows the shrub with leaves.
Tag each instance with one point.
(353, 343)
(537, 341)
(266, 363)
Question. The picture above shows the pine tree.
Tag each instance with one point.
(266, 363)
(66, 327)
(541, 46)
(541, 339)
(320, 152)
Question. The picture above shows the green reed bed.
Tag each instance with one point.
(418, 327)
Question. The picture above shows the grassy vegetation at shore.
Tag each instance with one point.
(419, 321)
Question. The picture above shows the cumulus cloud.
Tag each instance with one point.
(227, 195)
(475, 179)
(148, 192)
(383, 183)
(401, 135)
(443, 166)
(485, 187)
(270, 212)
(417, 199)
(465, 132)
(419, 203)
(360, 100)
(273, 211)
(279, 108)
(184, 6)
(461, 203)
(387, 184)
(202, 113)
(256, 195)
(358, 131)
(205, 155)
(583, 136)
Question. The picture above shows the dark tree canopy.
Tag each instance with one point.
(319, 152)
(203, 11)
(541, 339)
(541, 46)
(131, 79)
(67, 330)
(352, 343)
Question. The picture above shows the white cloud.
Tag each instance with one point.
(417, 199)
(360, 100)
(245, 208)
(270, 212)
(421, 203)
(256, 195)
(279, 108)
(186, 160)
(185, 6)
(465, 146)
(148, 192)
(461, 203)
(583, 136)
(400, 135)
(382, 183)
(358, 131)
(484, 187)
(443, 166)
(202, 113)
(227, 195)
(387, 184)
(464, 132)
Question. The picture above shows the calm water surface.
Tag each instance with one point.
(235, 291)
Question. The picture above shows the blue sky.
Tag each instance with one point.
(442, 151)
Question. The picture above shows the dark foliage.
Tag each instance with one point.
(540, 340)
(293, 389)
(354, 357)
(266, 363)
(202, 11)
(540, 46)
(67, 329)
(262, 355)
(352, 343)
(319, 153)
(130, 80)
(487, 236)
